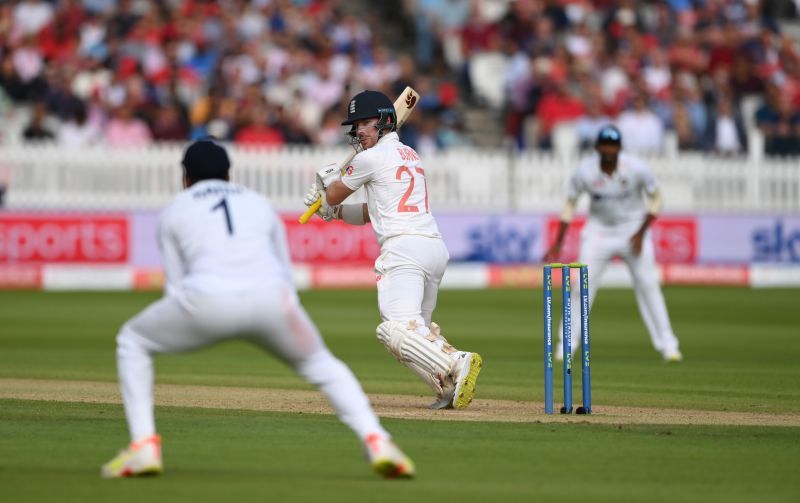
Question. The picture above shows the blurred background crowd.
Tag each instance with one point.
(705, 75)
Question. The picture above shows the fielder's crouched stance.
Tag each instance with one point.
(228, 275)
(413, 255)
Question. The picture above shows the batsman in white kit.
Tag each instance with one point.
(413, 255)
(624, 201)
(228, 276)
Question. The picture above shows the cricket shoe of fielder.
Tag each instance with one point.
(672, 356)
(140, 458)
(387, 459)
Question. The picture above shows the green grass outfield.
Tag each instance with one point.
(741, 349)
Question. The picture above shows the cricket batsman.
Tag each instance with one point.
(413, 255)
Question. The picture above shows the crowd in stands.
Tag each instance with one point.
(255, 72)
(706, 73)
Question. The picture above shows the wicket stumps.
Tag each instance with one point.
(566, 303)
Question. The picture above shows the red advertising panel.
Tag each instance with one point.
(675, 239)
(20, 276)
(733, 275)
(59, 238)
(319, 242)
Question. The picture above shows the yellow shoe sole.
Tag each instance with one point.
(467, 392)
(391, 470)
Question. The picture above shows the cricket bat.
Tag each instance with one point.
(403, 106)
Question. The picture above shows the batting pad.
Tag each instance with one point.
(424, 357)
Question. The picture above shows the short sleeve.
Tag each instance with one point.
(648, 179)
(360, 171)
(574, 186)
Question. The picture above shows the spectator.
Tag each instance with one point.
(59, 97)
(36, 130)
(782, 129)
(77, 131)
(30, 16)
(641, 128)
(656, 73)
(91, 78)
(330, 133)
(11, 82)
(294, 133)
(451, 132)
(682, 124)
(726, 134)
(126, 130)
(259, 130)
(557, 105)
(685, 54)
(427, 143)
(590, 123)
(29, 65)
(170, 123)
(323, 89)
(690, 98)
(123, 20)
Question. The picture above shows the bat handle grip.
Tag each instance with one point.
(305, 217)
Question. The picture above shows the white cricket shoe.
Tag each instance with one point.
(465, 376)
(140, 458)
(672, 356)
(387, 459)
(445, 398)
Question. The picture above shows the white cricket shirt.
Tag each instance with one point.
(397, 193)
(219, 237)
(617, 199)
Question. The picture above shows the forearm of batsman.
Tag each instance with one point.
(337, 192)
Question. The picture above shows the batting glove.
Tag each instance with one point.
(327, 175)
(325, 211)
(314, 193)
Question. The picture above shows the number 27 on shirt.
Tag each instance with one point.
(406, 173)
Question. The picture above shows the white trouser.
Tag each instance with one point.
(272, 318)
(409, 271)
(599, 245)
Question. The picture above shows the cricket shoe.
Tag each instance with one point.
(445, 399)
(387, 459)
(465, 375)
(672, 356)
(140, 458)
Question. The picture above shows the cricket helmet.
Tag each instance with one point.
(609, 135)
(369, 104)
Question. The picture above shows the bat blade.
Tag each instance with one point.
(403, 106)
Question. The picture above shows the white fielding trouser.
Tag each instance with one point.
(599, 245)
(408, 272)
(272, 319)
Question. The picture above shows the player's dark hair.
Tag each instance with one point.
(206, 159)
